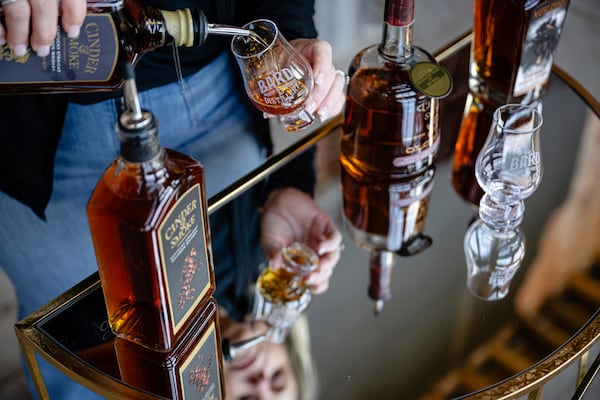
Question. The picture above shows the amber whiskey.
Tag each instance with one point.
(474, 130)
(389, 145)
(149, 226)
(288, 282)
(192, 369)
(114, 32)
(513, 47)
(281, 294)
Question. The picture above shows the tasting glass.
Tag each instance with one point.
(509, 165)
(493, 257)
(277, 78)
(281, 294)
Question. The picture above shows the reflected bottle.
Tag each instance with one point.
(513, 47)
(389, 143)
(149, 226)
(191, 369)
(114, 32)
(281, 292)
(386, 217)
(474, 129)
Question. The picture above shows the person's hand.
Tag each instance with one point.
(328, 96)
(32, 23)
(290, 215)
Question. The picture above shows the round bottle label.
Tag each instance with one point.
(431, 79)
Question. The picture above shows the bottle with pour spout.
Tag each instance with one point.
(149, 226)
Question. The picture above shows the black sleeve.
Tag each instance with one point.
(293, 17)
(31, 126)
(298, 173)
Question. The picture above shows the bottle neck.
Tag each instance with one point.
(139, 144)
(184, 27)
(397, 39)
(189, 27)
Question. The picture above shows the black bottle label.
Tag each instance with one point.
(184, 257)
(199, 373)
(541, 40)
(91, 57)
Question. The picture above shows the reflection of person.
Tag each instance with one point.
(269, 370)
(62, 144)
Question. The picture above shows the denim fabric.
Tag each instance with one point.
(204, 117)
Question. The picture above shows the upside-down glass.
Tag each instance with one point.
(277, 78)
(281, 293)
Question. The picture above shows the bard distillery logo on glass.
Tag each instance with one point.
(280, 88)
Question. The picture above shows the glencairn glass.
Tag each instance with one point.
(509, 166)
(493, 257)
(281, 294)
(508, 169)
(277, 78)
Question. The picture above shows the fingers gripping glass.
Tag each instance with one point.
(277, 78)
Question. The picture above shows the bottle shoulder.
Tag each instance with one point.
(372, 57)
(167, 175)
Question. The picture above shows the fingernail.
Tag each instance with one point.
(310, 106)
(319, 79)
(73, 31)
(20, 50)
(2, 41)
(43, 51)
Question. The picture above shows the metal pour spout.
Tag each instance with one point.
(230, 350)
(218, 29)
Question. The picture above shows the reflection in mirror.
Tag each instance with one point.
(386, 216)
(509, 169)
(268, 369)
(281, 294)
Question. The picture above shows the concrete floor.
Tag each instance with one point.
(350, 26)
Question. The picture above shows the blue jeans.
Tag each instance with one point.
(207, 120)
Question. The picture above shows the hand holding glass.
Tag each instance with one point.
(277, 78)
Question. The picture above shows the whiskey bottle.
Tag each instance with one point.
(113, 32)
(513, 47)
(149, 226)
(474, 129)
(281, 292)
(192, 369)
(390, 134)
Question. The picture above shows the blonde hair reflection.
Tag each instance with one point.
(299, 350)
